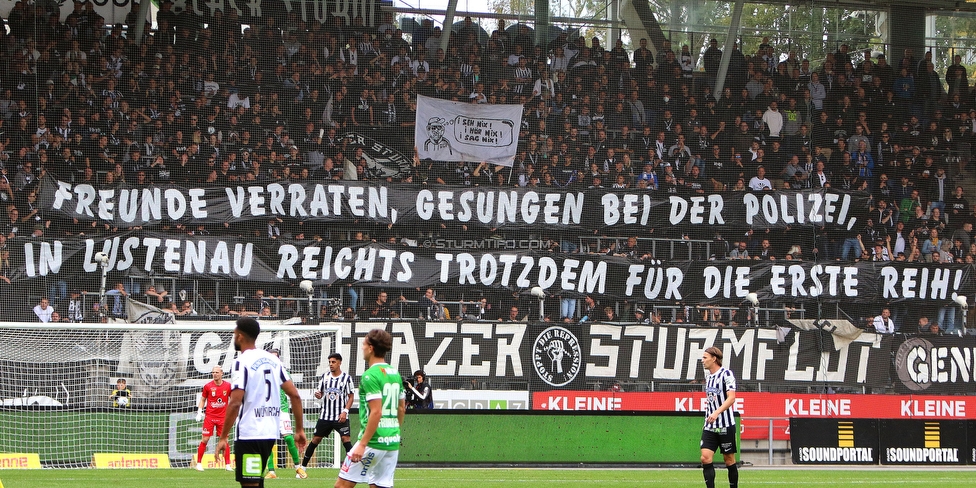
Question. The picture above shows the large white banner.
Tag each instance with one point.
(454, 131)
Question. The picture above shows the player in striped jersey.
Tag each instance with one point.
(336, 387)
(719, 430)
(287, 434)
(255, 405)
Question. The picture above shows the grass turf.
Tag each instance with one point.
(486, 478)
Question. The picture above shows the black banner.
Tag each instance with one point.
(389, 265)
(544, 357)
(162, 365)
(923, 442)
(255, 10)
(971, 439)
(164, 368)
(935, 365)
(126, 206)
(780, 281)
(834, 441)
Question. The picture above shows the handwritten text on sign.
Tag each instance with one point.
(483, 132)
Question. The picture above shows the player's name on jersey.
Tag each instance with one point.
(20, 460)
(267, 412)
(389, 423)
(118, 460)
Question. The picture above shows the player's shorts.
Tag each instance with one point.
(284, 424)
(375, 468)
(213, 426)
(324, 427)
(719, 440)
(252, 457)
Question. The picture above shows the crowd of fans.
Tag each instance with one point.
(217, 101)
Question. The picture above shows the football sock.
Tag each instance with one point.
(347, 446)
(271, 463)
(292, 448)
(202, 448)
(733, 476)
(227, 454)
(709, 472)
(308, 453)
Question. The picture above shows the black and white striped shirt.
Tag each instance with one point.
(522, 74)
(335, 393)
(717, 386)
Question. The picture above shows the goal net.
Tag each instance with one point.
(56, 397)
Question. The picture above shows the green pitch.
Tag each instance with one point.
(507, 478)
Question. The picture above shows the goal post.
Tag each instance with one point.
(57, 396)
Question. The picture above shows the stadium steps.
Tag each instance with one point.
(757, 453)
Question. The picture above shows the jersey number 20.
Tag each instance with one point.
(391, 395)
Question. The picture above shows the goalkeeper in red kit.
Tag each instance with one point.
(213, 404)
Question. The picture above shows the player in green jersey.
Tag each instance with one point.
(287, 433)
(382, 404)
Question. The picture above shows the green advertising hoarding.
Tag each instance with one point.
(533, 437)
(434, 437)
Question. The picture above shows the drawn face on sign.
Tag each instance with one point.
(435, 129)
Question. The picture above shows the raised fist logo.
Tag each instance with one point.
(553, 347)
(556, 350)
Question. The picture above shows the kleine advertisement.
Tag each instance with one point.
(758, 409)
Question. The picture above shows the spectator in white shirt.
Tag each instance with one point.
(44, 310)
(773, 120)
(883, 323)
(760, 182)
(420, 62)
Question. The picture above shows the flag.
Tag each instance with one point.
(381, 160)
(455, 131)
(138, 312)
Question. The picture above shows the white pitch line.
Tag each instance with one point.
(641, 482)
(845, 482)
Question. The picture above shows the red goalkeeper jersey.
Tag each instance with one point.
(217, 397)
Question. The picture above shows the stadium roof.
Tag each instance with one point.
(942, 6)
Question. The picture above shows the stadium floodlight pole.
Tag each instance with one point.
(753, 300)
(102, 260)
(963, 303)
(539, 293)
(306, 286)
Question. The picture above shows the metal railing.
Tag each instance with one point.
(657, 247)
(765, 314)
(333, 306)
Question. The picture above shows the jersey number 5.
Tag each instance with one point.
(267, 382)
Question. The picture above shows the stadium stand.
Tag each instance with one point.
(204, 102)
